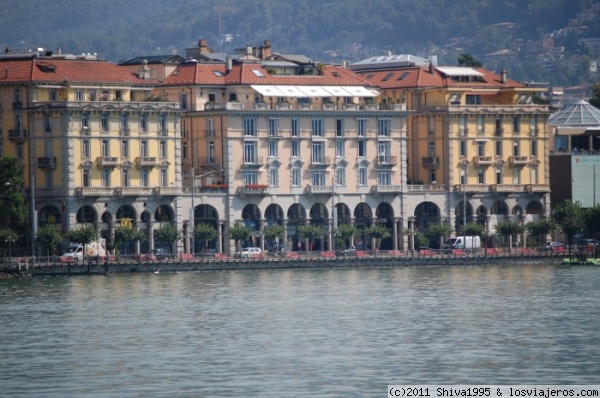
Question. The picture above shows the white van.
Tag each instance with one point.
(469, 243)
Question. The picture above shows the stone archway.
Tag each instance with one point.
(86, 215)
(296, 216)
(251, 216)
(363, 219)
(426, 213)
(385, 217)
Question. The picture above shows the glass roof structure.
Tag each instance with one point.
(580, 114)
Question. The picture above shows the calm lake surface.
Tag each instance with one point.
(300, 333)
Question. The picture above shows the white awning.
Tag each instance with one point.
(338, 91)
(314, 91)
(291, 91)
(360, 91)
(268, 91)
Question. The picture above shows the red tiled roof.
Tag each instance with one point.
(204, 74)
(421, 77)
(66, 70)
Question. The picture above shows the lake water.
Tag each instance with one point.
(304, 333)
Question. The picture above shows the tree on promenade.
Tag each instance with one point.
(126, 233)
(377, 232)
(7, 238)
(49, 236)
(83, 235)
(167, 235)
(539, 229)
(436, 232)
(310, 232)
(343, 234)
(12, 203)
(274, 232)
(570, 217)
(508, 230)
(473, 229)
(592, 220)
(205, 233)
(239, 233)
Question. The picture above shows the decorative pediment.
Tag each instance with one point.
(499, 163)
(298, 163)
(463, 163)
(341, 162)
(165, 163)
(364, 163)
(87, 164)
(127, 163)
(274, 163)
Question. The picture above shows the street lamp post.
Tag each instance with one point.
(464, 190)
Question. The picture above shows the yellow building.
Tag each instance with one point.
(94, 145)
(272, 140)
(477, 141)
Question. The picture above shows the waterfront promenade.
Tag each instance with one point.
(24, 267)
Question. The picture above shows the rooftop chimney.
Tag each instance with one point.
(229, 65)
(266, 50)
(503, 74)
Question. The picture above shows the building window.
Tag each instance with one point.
(125, 177)
(480, 124)
(534, 149)
(340, 177)
(47, 123)
(296, 177)
(296, 148)
(480, 175)
(462, 129)
(250, 154)
(499, 130)
(361, 126)
(144, 123)
(481, 149)
(86, 176)
(340, 149)
(463, 176)
(498, 148)
(295, 128)
(384, 178)
(431, 125)
(317, 128)
(534, 175)
(362, 176)
(104, 122)
(145, 177)
(516, 175)
(105, 178)
(48, 178)
(85, 149)
(463, 148)
(211, 152)
(383, 152)
(183, 101)
(78, 95)
(210, 127)
(533, 125)
(250, 127)
(124, 124)
(92, 95)
(273, 127)
(1, 149)
(164, 181)
(144, 148)
(318, 179)
(274, 177)
(85, 123)
(105, 148)
(163, 125)
(473, 100)
(362, 148)
(118, 95)
(124, 148)
(384, 127)
(516, 124)
(432, 179)
(250, 178)
(184, 151)
(53, 95)
(516, 148)
(162, 149)
(272, 148)
(339, 127)
(498, 175)
(318, 152)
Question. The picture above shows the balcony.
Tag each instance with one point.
(107, 161)
(155, 105)
(253, 189)
(253, 162)
(385, 161)
(482, 161)
(96, 191)
(166, 191)
(518, 161)
(145, 161)
(283, 106)
(46, 162)
(383, 189)
(134, 191)
(16, 135)
(430, 161)
(320, 161)
(319, 189)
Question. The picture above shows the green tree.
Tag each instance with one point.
(128, 233)
(310, 232)
(167, 235)
(421, 240)
(83, 235)
(473, 229)
(570, 217)
(436, 232)
(377, 232)
(539, 229)
(509, 229)
(12, 203)
(273, 232)
(465, 59)
(49, 236)
(239, 233)
(7, 238)
(345, 232)
(205, 233)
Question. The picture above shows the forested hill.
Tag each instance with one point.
(327, 30)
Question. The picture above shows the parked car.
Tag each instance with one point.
(553, 246)
(346, 253)
(251, 252)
